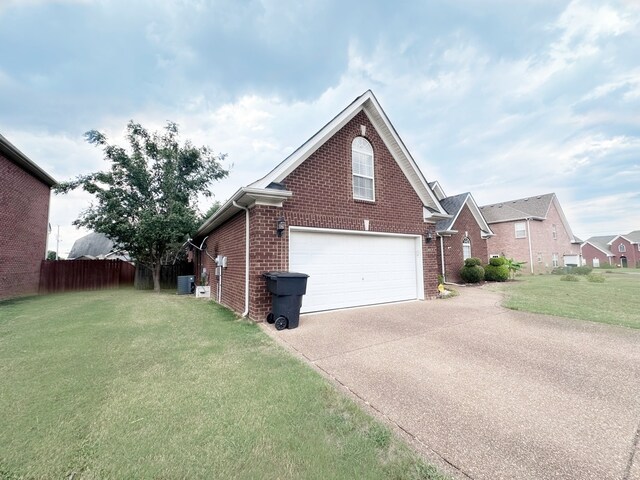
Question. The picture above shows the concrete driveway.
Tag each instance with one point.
(486, 392)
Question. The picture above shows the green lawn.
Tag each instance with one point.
(128, 384)
(616, 301)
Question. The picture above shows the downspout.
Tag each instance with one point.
(444, 278)
(246, 259)
(530, 250)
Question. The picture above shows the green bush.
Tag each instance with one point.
(558, 271)
(595, 278)
(496, 273)
(581, 270)
(472, 262)
(569, 278)
(472, 273)
(496, 262)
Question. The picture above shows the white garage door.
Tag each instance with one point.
(349, 269)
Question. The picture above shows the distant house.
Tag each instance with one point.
(461, 236)
(615, 250)
(96, 246)
(534, 230)
(25, 190)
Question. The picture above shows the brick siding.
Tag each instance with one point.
(24, 216)
(323, 198)
(452, 246)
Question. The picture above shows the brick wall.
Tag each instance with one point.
(24, 216)
(543, 244)
(323, 198)
(589, 252)
(452, 246)
(631, 252)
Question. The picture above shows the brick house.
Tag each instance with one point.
(24, 218)
(461, 236)
(349, 207)
(534, 230)
(616, 250)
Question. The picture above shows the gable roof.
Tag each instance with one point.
(633, 237)
(453, 206)
(624, 237)
(11, 152)
(368, 103)
(268, 190)
(437, 190)
(601, 243)
(520, 209)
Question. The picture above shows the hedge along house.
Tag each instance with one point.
(461, 236)
(350, 208)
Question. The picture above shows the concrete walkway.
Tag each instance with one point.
(486, 392)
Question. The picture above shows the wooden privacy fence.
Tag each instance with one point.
(67, 275)
(168, 275)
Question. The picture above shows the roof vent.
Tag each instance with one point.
(526, 199)
(500, 206)
(539, 197)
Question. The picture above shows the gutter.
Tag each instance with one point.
(246, 259)
(530, 250)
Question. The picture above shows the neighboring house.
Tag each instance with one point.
(25, 190)
(461, 236)
(96, 246)
(350, 208)
(532, 230)
(615, 250)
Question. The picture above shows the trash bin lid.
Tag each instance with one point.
(285, 275)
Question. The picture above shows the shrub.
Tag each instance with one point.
(472, 273)
(569, 278)
(558, 271)
(496, 262)
(472, 262)
(595, 278)
(440, 280)
(496, 273)
(581, 270)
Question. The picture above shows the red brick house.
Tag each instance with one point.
(350, 208)
(461, 236)
(24, 218)
(616, 250)
(534, 230)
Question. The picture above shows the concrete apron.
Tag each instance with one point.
(485, 392)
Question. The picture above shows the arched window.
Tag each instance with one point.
(362, 168)
(622, 248)
(466, 248)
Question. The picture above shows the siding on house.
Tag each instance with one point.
(452, 245)
(24, 217)
(322, 198)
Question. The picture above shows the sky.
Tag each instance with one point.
(503, 99)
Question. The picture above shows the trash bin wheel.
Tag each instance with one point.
(281, 323)
(270, 317)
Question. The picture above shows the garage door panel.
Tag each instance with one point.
(352, 269)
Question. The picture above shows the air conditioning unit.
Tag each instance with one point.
(186, 284)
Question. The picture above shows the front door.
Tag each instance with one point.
(623, 262)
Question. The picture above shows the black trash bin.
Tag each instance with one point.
(287, 289)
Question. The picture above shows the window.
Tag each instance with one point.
(596, 263)
(554, 259)
(622, 248)
(539, 257)
(554, 232)
(466, 248)
(362, 168)
(521, 230)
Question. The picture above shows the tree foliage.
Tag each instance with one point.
(146, 201)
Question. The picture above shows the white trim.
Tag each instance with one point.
(617, 237)
(608, 254)
(418, 239)
(368, 103)
(477, 215)
(373, 170)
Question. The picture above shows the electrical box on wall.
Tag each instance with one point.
(218, 271)
(221, 261)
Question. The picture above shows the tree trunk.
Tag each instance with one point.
(156, 276)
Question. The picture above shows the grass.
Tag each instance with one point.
(615, 301)
(128, 384)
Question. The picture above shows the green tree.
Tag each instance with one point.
(51, 255)
(146, 201)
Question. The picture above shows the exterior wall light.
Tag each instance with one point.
(280, 226)
(428, 237)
